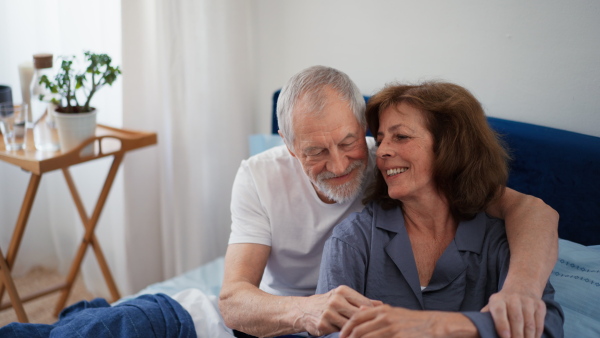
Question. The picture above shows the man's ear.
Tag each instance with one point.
(286, 143)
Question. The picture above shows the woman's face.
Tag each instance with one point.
(405, 153)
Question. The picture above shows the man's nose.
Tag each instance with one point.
(338, 162)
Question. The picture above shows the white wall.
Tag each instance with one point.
(531, 61)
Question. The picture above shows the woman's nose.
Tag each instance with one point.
(384, 150)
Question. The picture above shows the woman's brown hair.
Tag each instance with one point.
(471, 164)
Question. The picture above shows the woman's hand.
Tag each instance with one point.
(386, 321)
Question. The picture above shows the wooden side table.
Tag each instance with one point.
(107, 142)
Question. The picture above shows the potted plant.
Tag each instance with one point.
(72, 94)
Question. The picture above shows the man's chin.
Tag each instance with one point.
(343, 199)
(341, 196)
(341, 193)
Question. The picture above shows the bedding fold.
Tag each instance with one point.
(145, 316)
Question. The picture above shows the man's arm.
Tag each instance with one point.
(248, 309)
(532, 231)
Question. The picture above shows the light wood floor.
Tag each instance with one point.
(40, 310)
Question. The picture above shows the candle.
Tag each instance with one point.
(25, 75)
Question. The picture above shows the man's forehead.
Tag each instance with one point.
(314, 100)
(311, 113)
(329, 123)
(315, 139)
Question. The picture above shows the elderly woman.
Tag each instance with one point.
(423, 241)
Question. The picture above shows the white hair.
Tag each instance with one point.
(308, 85)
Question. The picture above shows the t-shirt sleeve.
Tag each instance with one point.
(249, 219)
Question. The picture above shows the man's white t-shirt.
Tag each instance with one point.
(273, 203)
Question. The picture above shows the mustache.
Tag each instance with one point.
(329, 175)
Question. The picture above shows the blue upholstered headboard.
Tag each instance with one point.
(560, 167)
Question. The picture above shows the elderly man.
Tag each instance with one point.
(286, 201)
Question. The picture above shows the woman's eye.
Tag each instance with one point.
(396, 137)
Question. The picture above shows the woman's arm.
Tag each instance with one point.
(385, 321)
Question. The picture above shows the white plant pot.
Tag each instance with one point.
(73, 129)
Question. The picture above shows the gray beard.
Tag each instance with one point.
(347, 191)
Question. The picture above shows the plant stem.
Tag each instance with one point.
(86, 106)
(68, 83)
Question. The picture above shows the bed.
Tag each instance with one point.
(558, 166)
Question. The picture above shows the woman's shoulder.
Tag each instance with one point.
(495, 234)
(356, 225)
(494, 226)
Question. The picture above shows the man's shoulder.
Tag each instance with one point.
(274, 159)
(270, 154)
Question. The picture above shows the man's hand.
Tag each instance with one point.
(329, 312)
(386, 321)
(517, 313)
(248, 309)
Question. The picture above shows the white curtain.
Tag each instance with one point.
(190, 73)
(54, 230)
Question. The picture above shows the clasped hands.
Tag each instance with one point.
(516, 314)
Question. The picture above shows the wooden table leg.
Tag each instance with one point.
(90, 237)
(17, 305)
(15, 242)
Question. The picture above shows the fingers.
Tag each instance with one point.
(527, 318)
(362, 316)
(376, 302)
(499, 313)
(331, 321)
(386, 322)
(517, 316)
(528, 314)
(340, 304)
(540, 316)
(336, 313)
(353, 297)
(347, 301)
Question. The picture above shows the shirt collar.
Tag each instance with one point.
(469, 235)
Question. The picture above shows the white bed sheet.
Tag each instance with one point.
(207, 278)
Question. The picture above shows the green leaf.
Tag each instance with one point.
(69, 82)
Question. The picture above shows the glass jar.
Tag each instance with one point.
(41, 121)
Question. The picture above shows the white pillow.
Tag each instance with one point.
(262, 142)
